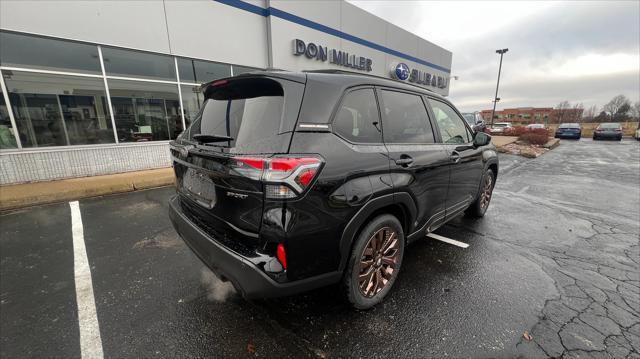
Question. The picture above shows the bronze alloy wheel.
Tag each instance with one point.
(486, 192)
(378, 262)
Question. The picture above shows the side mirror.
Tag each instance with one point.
(479, 122)
(481, 139)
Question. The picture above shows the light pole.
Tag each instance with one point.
(495, 98)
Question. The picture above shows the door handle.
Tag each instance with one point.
(404, 161)
(455, 157)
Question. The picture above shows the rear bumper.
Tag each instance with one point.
(612, 135)
(568, 135)
(246, 276)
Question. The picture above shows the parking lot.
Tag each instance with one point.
(557, 257)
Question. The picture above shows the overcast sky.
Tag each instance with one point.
(584, 52)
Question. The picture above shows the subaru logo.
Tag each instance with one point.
(402, 71)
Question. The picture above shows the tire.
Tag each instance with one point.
(595, 138)
(479, 207)
(366, 293)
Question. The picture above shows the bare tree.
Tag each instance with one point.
(618, 107)
(590, 113)
(635, 110)
(561, 110)
(575, 114)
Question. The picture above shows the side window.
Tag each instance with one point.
(357, 117)
(405, 118)
(452, 128)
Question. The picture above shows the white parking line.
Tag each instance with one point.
(447, 240)
(90, 341)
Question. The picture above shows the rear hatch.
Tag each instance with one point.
(219, 159)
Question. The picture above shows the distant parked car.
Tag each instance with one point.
(637, 135)
(608, 130)
(475, 120)
(569, 130)
(499, 127)
(534, 126)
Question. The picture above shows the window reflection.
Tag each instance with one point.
(145, 111)
(55, 110)
(197, 71)
(192, 100)
(7, 138)
(237, 70)
(128, 63)
(35, 52)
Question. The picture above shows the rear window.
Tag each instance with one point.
(569, 125)
(610, 125)
(250, 111)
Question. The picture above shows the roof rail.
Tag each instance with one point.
(346, 72)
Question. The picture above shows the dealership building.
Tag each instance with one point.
(101, 87)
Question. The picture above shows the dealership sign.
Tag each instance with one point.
(402, 72)
(337, 57)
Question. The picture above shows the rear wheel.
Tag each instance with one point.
(375, 262)
(480, 205)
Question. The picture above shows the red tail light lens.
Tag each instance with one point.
(285, 177)
(281, 255)
(256, 163)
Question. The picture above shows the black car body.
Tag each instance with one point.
(608, 131)
(569, 130)
(311, 161)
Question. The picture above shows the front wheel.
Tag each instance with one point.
(480, 205)
(375, 262)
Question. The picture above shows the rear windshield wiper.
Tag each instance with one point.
(211, 138)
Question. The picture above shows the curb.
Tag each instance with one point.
(501, 141)
(32, 194)
(552, 143)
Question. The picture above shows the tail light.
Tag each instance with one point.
(281, 255)
(284, 177)
(618, 130)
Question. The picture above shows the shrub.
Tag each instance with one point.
(514, 131)
(539, 131)
(534, 138)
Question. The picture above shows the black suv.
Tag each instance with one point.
(291, 181)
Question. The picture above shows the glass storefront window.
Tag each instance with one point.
(56, 110)
(197, 71)
(7, 138)
(192, 100)
(237, 70)
(33, 52)
(145, 111)
(127, 63)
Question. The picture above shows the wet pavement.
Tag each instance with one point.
(557, 257)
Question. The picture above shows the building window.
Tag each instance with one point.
(126, 63)
(237, 70)
(56, 110)
(7, 138)
(33, 52)
(196, 71)
(70, 106)
(192, 100)
(145, 111)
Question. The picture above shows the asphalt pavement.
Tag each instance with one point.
(552, 270)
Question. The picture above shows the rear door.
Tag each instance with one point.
(419, 165)
(219, 182)
(465, 160)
